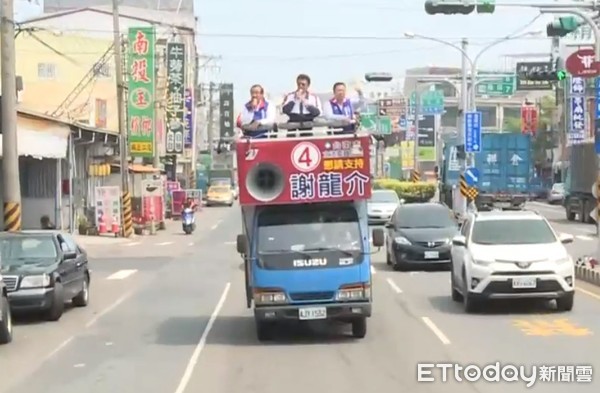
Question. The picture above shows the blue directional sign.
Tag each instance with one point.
(598, 98)
(597, 122)
(472, 132)
(472, 176)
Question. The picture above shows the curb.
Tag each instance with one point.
(588, 275)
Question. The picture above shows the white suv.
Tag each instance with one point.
(507, 255)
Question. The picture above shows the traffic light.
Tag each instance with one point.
(378, 77)
(562, 26)
(486, 6)
(434, 7)
(545, 76)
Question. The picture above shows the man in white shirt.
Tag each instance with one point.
(339, 107)
(258, 115)
(301, 106)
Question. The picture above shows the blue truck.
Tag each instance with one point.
(505, 170)
(581, 174)
(305, 259)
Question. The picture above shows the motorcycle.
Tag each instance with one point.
(188, 220)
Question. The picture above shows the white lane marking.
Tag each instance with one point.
(230, 243)
(190, 244)
(412, 273)
(187, 375)
(108, 309)
(438, 333)
(215, 226)
(131, 244)
(584, 237)
(373, 271)
(164, 243)
(121, 274)
(545, 205)
(589, 293)
(392, 284)
(92, 321)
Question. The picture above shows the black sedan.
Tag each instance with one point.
(5, 316)
(43, 270)
(420, 234)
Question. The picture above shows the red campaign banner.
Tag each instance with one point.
(529, 119)
(302, 170)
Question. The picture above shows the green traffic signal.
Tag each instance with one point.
(563, 26)
(561, 75)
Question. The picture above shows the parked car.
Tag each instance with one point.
(6, 325)
(511, 255)
(381, 206)
(219, 195)
(42, 270)
(556, 194)
(420, 234)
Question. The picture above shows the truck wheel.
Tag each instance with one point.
(264, 330)
(359, 328)
(570, 214)
(6, 325)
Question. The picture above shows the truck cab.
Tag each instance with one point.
(306, 241)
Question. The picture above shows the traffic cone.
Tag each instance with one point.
(101, 225)
(115, 226)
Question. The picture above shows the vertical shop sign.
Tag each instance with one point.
(140, 93)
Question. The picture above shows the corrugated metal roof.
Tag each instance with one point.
(185, 6)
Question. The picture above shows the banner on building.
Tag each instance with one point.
(175, 98)
(140, 99)
(188, 124)
(529, 119)
(226, 110)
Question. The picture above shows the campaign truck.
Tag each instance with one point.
(503, 167)
(306, 241)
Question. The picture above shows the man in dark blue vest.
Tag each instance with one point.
(342, 108)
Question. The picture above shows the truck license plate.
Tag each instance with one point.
(306, 314)
(524, 282)
(432, 254)
(502, 205)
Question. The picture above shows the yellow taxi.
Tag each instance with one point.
(219, 195)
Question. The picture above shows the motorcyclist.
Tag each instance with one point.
(190, 203)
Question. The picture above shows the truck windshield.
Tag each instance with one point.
(298, 229)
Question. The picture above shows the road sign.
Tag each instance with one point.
(582, 63)
(578, 118)
(529, 119)
(524, 68)
(432, 102)
(473, 132)
(472, 176)
(502, 86)
(375, 124)
(396, 109)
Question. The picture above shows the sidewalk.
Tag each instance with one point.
(102, 240)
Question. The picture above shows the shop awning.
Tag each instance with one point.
(41, 139)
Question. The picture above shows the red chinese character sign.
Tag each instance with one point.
(582, 63)
(140, 100)
(529, 119)
(283, 171)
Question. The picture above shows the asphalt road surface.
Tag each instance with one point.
(172, 319)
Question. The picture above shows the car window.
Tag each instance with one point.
(558, 187)
(424, 216)
(21, 248)
(220, 189)
(384, 197)
(502, 232)
(70, 243)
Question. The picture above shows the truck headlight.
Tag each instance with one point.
(41, 281)
(353, 292)
(265, 298)
(402, 240)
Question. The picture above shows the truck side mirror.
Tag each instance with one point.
(378, 237)
(241, 244)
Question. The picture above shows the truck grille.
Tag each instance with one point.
(10, 282)
(311, 296)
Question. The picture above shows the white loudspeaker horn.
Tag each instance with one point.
(265, 182)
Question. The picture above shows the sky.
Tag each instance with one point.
(275, 62)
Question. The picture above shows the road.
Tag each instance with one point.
(178, 324)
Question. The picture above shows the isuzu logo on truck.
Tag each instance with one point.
(310, 262)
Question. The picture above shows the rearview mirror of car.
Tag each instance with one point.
(460, 241)
(566, 238)
(241, 244)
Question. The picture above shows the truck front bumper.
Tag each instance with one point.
(335, 311)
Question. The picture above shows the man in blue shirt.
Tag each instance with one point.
(342, 108)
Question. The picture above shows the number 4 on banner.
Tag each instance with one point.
(306, 157)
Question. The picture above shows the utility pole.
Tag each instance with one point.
(211, 120)
(123, 147)
(11, 190)
(464, 103)
(416, 122)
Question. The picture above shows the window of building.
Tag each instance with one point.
(102, 70)
(46, 71)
